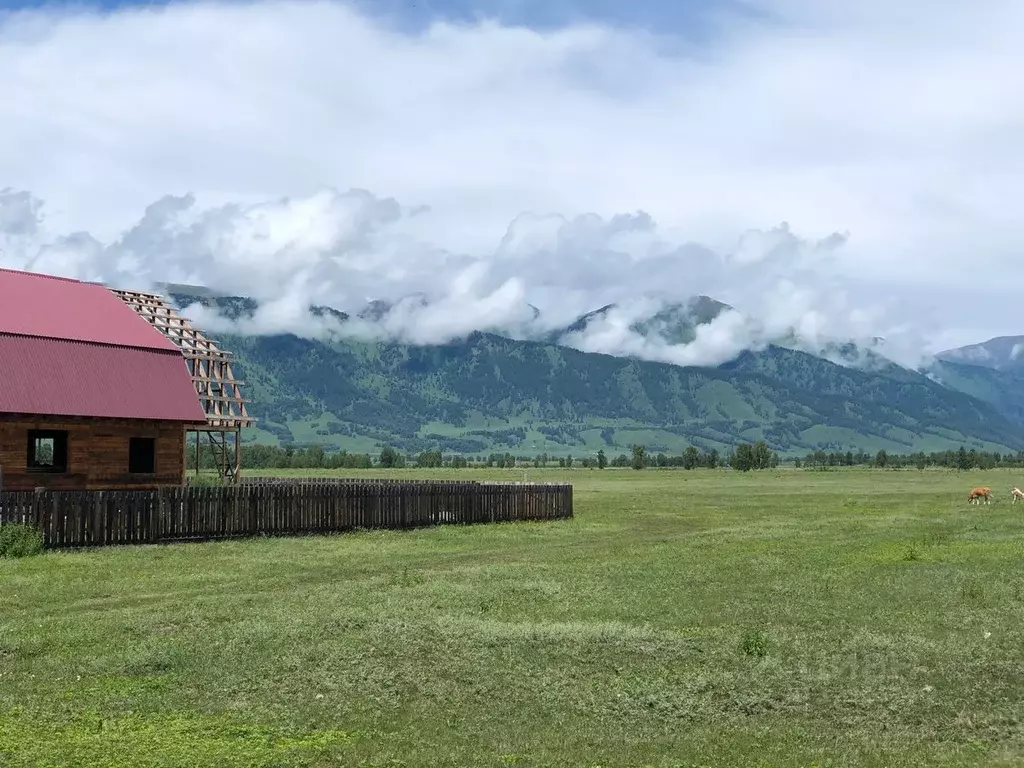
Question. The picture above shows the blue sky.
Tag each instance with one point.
(692, 19)
(689, 18)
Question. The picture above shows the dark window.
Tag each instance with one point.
(47, 450)
(142, 455)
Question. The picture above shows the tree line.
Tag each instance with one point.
(744, 457)
(959, 459)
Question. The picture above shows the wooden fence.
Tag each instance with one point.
(275, 507)
(269, 480)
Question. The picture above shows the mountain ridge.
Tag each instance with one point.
(487, 391)
(1000, 353)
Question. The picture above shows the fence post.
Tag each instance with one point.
(56, 523)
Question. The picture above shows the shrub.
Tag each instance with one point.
(20, 540)
(754, 643)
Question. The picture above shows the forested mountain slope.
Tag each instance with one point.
(490, 392)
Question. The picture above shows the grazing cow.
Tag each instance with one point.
(1017, 494)
(979, 493)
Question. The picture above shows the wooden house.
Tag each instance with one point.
(91, 395)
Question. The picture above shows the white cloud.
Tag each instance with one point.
(343, 249)
(896, 129)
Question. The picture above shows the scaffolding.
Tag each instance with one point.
(211, 368)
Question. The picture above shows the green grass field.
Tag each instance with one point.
(794, 618)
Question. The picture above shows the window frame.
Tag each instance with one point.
(61, 449)
(152, 456)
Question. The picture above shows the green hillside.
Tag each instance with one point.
(992, 371)
(1003, 389)
(492, 393)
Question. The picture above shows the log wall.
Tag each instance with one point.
(97, 454)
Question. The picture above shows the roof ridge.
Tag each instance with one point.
(47, 306)
(42, 275)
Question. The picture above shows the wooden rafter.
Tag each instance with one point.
(211, 367)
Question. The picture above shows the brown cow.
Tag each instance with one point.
(1017, 494)
(979, 493)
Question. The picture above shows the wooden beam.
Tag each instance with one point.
(218, 390)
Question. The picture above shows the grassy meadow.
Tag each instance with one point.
(787, 618)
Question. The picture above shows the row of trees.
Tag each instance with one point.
(744, 457)
(756, 456)
(959, 459)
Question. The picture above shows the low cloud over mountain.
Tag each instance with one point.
(373, 258)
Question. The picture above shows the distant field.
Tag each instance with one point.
(586, 439)
(794, 618)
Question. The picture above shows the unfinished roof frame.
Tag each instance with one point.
(219, 391)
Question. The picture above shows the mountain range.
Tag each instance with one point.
(538, 392)
(1003, 353)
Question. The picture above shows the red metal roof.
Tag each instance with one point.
(69, 348)
(58, 308)
(61, 377)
